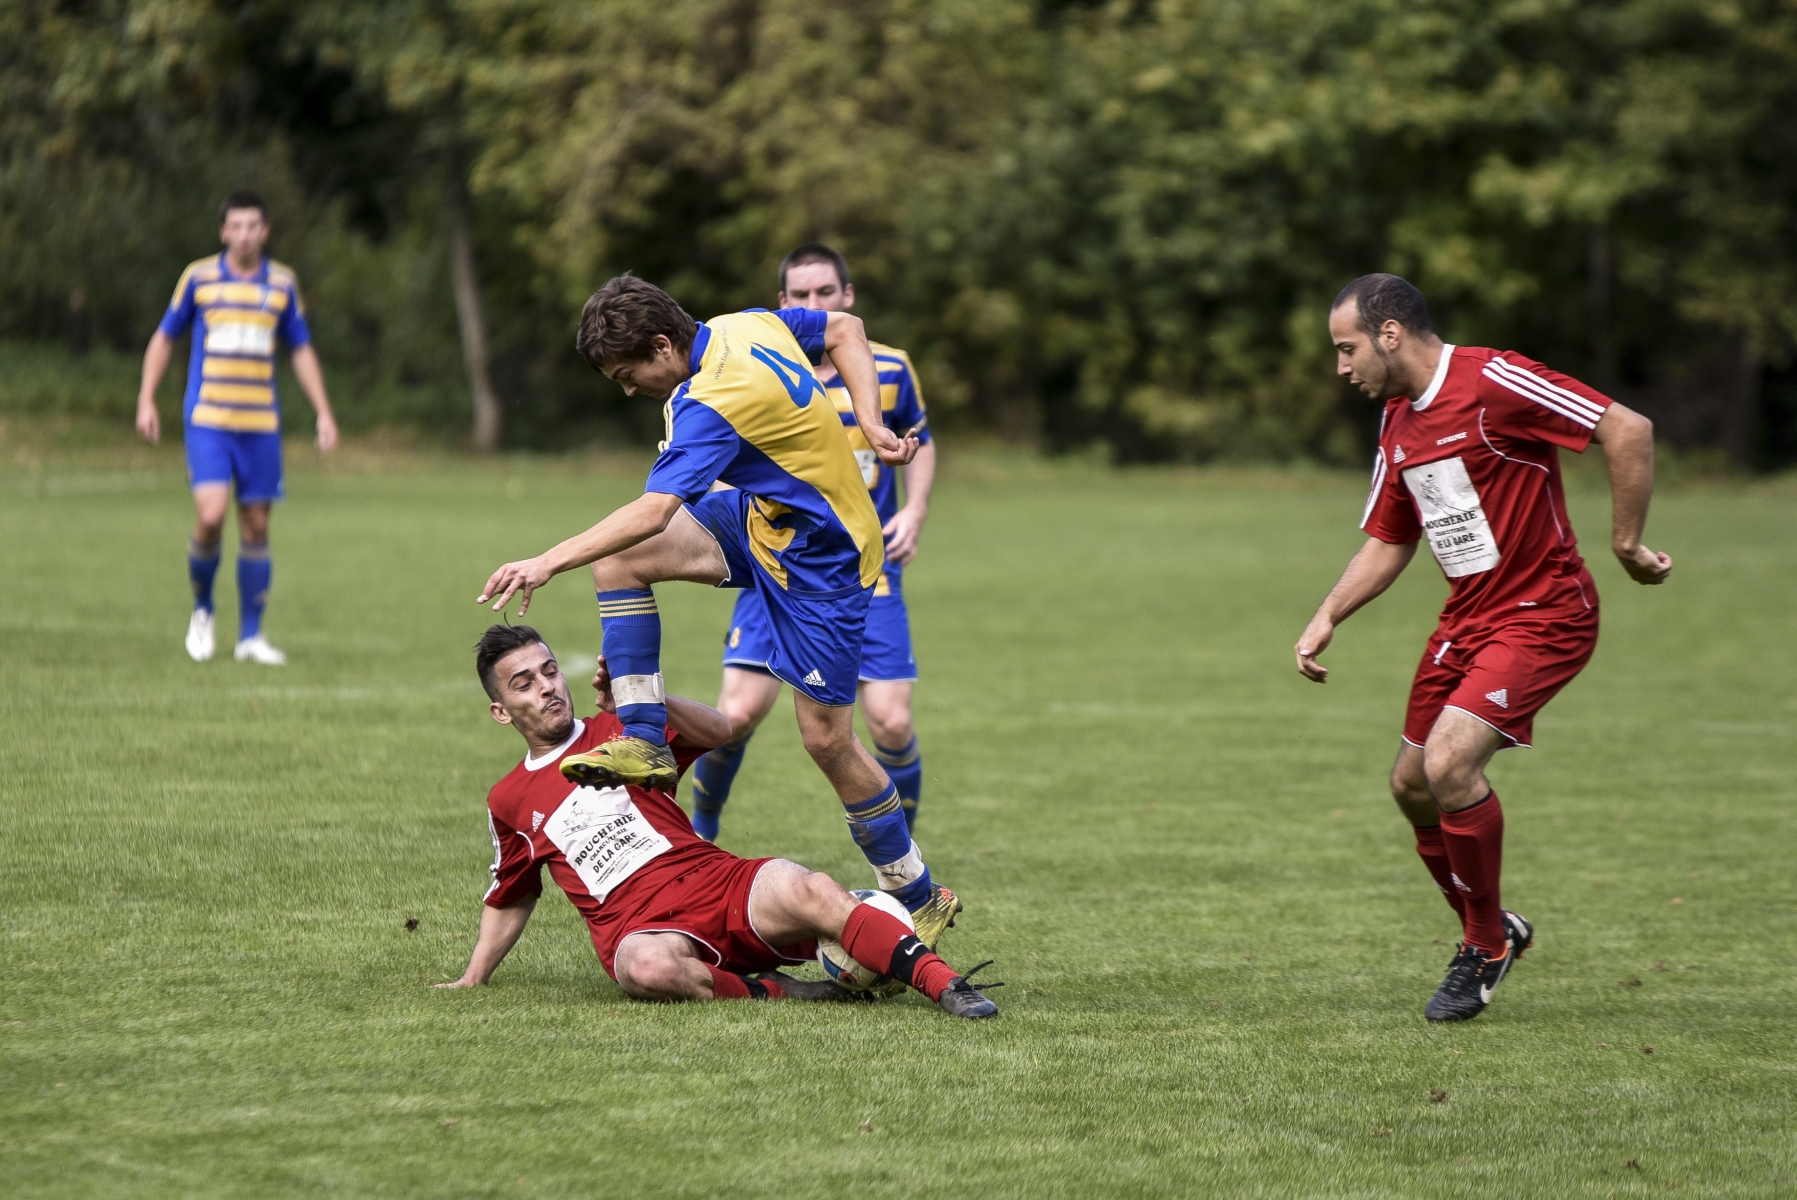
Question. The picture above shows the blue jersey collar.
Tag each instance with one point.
(224, 267)
(701, 340)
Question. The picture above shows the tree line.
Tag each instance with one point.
(1116, 223)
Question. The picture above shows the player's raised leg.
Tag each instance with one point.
(632, 646)
(745, 698)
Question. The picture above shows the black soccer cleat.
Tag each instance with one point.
(1520, 933)
(964, 998)
(1472, 978)
(826, 990)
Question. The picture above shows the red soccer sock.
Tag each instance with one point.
(1434, 852)
(727, 985)
(1475, 842)
(874, 937)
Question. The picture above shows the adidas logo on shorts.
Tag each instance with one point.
(1501, 697)
(814, 680)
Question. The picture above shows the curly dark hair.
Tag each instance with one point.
(621, 320)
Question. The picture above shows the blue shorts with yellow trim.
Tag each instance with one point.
(811, 641)
(251, 461)
(885, 650)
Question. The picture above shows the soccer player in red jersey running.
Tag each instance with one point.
(1468, 458)
(672, 916)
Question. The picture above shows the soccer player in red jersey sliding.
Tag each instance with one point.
(672, 916)
(1468, 458)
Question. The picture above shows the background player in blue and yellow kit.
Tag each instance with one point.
(796, 526)
(239, 304)
(815, 276)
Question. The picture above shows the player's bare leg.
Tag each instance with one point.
(789, 904)
(662, 966)
(886, 707)
(1472, 834)
(632, 645)
(211, 501)
(745, 698)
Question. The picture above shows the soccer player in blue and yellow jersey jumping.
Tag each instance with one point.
(239, 305)
(816, 276)
(796, 526)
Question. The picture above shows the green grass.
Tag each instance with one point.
(1216, 937)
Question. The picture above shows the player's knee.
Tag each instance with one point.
(1448, 774)
(1409, 788)
(651, 972)
(890, 726)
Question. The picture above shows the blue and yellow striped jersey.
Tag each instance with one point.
(754, 416)
(231, 371)
(901, 407)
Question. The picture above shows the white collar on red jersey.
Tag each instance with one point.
(1441, 374)
(537, 764)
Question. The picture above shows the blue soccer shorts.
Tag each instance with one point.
(885, 650)
(250, 461)
(812, 642)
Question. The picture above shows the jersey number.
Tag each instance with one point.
(798, 381)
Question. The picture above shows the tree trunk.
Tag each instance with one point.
(469, 314)
(1603, 341)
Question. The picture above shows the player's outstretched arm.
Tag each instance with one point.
(637, 521)
(845, 342)
(698, 725)
(1372, 569)
(500, 929)
(156, 356)
(1627, 439)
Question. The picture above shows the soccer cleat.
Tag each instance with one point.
(826, 990)
(199, 635)
(257, 650)
(964, 999)
(935, 915)
(1472, 978)
(1520, 933)
(624, 762)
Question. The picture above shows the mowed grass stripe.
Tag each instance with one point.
(1216, 938)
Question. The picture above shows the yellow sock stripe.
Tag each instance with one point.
(876, 812)
(902, 759)
(628, 608)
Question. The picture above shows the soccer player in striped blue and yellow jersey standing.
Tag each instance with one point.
(238, 304)
(796, 526)
(816, 276)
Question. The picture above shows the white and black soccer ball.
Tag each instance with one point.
(858, 977)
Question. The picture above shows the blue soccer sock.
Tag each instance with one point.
(905, 768)
(202, 569)
(713, 776)
(255, 570)
(632, 646)
(878, 826)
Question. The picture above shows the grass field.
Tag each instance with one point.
(1217, 939)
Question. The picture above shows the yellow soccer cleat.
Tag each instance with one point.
(936, 915)
(624, 762)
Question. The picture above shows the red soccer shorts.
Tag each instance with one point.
(710, 905)
(1501, 674)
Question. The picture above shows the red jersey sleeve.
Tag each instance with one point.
(517, 871)
(1524, 399)
(1390, 512)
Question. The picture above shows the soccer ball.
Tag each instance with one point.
(835, 961)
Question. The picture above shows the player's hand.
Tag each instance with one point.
(1317, 636)
(149, 423)
(893, 450)
(901, 535)
(1644, 565)
(327, 433)
(602, 685)
(515, 578)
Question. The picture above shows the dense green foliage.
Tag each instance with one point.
(1216, 938)
(1117, 222)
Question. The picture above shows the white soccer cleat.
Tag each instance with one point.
(257, 650)
(199, 635)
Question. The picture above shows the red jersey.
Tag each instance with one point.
(1473, 464)
(600, 844)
